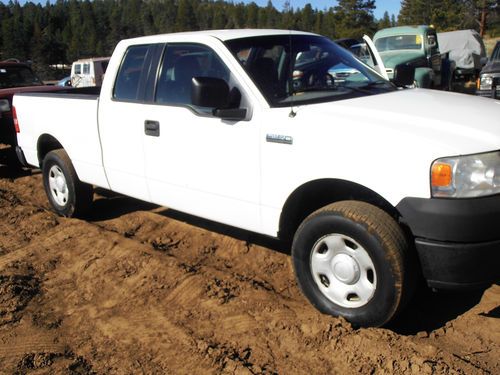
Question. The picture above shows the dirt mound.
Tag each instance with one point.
(143, 289)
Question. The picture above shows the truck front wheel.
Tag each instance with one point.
(350, 260)
(66, 193)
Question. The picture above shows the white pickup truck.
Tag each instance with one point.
(288, 135)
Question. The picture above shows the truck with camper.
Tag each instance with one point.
(88, 72)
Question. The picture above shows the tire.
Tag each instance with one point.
(67, 195)
(351, 260)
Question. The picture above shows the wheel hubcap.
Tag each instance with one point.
(343, 270)
(58, 185)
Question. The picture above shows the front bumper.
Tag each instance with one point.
(457, 240)
(493, 93)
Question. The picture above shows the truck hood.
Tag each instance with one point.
(442, 123)
(393, 58)
(491, 67)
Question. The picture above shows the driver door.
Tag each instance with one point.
(194, 161)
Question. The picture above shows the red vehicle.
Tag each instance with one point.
(15, 77)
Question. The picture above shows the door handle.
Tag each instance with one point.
(152, 128)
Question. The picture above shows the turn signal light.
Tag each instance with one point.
(441, 175)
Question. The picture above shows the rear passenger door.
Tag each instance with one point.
(121, 120)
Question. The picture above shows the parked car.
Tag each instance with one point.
(88, 72)
(370, 183)
(15, 77)
(65, 82)
(416, 46)
(488, 84)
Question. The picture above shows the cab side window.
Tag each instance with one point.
(182, 62)
(128, 78)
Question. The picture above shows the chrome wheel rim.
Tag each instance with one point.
(343, 271)
(58, 185)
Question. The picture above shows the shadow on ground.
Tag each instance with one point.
(9, 165)
(431, 310)
(109, 205)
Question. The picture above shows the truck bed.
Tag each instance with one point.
(70, 116)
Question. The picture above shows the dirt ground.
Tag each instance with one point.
(141, 289)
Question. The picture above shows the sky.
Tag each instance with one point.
(392, 6)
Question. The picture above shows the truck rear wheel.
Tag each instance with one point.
(66, 193)
(350, 260)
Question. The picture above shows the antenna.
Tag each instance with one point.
(292, 113)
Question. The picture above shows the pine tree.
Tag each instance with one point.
(252, 15)
(306, 18)
(185, 20)
(385, 22)
(355, 18)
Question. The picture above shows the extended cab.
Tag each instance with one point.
(251, 128)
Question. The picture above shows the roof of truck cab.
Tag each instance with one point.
(402, 30)
(225, 34)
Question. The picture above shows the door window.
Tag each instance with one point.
(78, 69)
(182, 62)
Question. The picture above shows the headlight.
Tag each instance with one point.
(466, 176)
(4, 105)
(486, 82)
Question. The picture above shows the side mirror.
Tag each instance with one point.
(483, 61)
(214, 93)
(431, 41)
(404, 75)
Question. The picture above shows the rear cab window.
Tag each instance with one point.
(129, 75)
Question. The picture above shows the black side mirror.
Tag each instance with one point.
(214, 93)
(404, 75)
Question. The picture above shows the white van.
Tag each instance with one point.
(88, 72)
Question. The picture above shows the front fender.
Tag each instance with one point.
(424, 77)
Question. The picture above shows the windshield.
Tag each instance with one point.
(17, 76)
(300, 69)
(398, 42)
(495, 55)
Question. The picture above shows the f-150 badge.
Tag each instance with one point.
(279, 138)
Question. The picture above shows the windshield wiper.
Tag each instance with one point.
(375, 83)
(312, 89)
